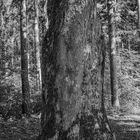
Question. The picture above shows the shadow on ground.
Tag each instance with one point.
(126, 127)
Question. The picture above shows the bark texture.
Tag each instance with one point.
(2, 39)
(24, 60)
(138, 3)
(70, 59)
(37, 45)
(112, 52)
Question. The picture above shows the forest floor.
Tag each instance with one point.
(23, 129)
(126, 127)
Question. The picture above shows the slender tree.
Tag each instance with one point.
(37, 44)
(138, 3)
(2, 37)
(112, 52)
(24, 59)
(71, 43)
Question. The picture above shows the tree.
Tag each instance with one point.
(37, 44)
(112, 51)
(24, 60)
(2, 35)
(138, 3)
(70, 59)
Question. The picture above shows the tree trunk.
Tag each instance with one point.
(138, 10)
(45, 12)
(37, 45)
(2, 60)
(138, 3)
(70, 56)
(112, 52)
(2, 39)
(24, 61)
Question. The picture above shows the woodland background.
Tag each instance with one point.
(23, 25)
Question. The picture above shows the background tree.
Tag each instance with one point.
(24, 59)
(37, 44)
(2, 41)
(138, 3)
(112, 51)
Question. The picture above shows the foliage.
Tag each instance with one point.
(128, 60)
(25, 129)
(130, 79)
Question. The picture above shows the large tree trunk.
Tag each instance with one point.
(112, 52)
(24, 60)
(37, 43)
(71, 59)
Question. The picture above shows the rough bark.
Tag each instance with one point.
(24, 61)
(2, 60)
(2, 39)
(138, 3)
(37, 45)
(112, 53)
(70, 56)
